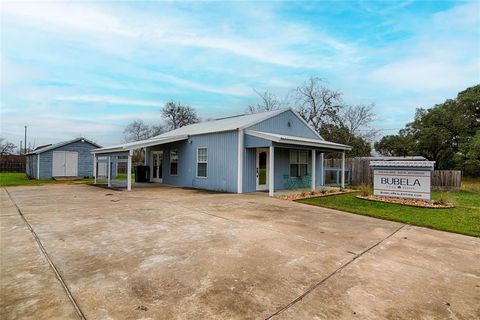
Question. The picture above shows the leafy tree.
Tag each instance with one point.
(446, 133)
(178, 115)
(341, 134)
(401, 145)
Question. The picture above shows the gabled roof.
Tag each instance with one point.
(219, 125)
(226, 124)
(282, 138)
(44, 148)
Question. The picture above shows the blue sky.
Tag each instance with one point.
(72, 69)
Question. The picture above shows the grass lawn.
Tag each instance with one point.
(9, 179)
(464, 218)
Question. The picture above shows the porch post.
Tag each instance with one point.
(314, 171)
(129, 170)
(271, 171)
(145, 156)
(240, 151)
(109, 173)
(322, 170)
(343, 169)
(94, 168)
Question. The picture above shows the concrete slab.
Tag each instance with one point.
(164, 253)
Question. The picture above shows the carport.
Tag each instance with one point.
(107, 160)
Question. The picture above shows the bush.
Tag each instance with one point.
(442, 201)
(365, 190)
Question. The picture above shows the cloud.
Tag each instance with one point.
(111, 100)
(444, 54)
(273, 41)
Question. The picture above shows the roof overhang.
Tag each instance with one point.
(279, 138)
(138, 145)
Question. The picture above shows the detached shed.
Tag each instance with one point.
(64, 159)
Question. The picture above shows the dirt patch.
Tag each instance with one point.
(408, 202)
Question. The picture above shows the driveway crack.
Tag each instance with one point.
(322, 281)
(50, 262)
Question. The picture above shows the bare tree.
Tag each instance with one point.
(317, 104)
(136, 131)
(6, 147)
(268, 102)
(357, 120)
(178, 115)
(156, 130)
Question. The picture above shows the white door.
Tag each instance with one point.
(65, 164)
(58, 169)
(262, 168)
(71, 164)
(156, 166)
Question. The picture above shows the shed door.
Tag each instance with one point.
(65, 164)
(71, 164)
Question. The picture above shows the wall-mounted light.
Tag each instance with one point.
(189, 140)
(289, 123)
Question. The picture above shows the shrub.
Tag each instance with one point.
(442, 201)
(365, 190)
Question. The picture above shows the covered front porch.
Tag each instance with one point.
(281, 163)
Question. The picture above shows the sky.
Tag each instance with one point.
(78, 68)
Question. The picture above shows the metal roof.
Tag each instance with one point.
(42, 149)
(139, 144)
(281, 138)
(406, 164)
(220, 125)
(387, 158)
(227, 124)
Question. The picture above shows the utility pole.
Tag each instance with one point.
(20, 147)
(25, 140)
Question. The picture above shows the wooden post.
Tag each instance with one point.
(109, 174)
(94, 168)
(240, 150)
(314, 167)
(271, 171)
(322, 169)
(129, 170)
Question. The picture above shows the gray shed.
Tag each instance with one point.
(64, 159)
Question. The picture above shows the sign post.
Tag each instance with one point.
(402, 179)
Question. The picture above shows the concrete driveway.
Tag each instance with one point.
(170, 253)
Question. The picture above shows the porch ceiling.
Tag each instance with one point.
(292, 140)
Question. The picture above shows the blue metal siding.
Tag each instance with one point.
(85, 159)
(281, 168)
(222, 162)
(279, 125)
(249, 170)
(255, 142)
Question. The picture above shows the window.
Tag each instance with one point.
(202, 160)
(174, 162)
(298, 163)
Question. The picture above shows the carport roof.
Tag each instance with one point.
(139, 144)
(281, 138)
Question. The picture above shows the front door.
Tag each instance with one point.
(262, 169)
(156, 167)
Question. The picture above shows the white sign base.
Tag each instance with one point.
(402, 184)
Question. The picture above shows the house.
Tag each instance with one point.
(265, 151)
(64, 159)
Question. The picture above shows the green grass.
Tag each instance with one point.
(464, 218)
(123, 176)
(8, 179)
